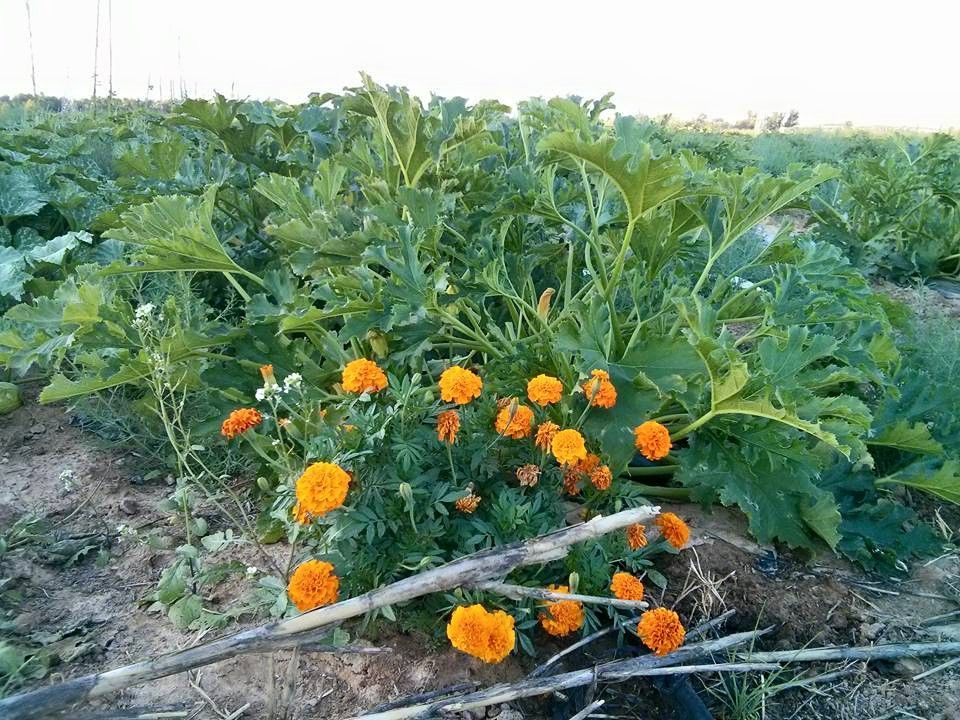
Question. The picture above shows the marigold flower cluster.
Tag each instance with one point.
(625, 586)
(514, 421)
(448, 425)
(468, 503)
(561, 617)
(544, 390)
(636, 536)
(545, 434)
(489, 636)
(322, 488)
(239, 421)
(601, 477)
(313, 584)
(599, 390)
(660, 630)
(363, 376)
(652, 440)
(568, 446)
(673, 529)
(459, 385)
(528, 475)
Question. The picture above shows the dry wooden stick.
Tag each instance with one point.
(588, 710)
(868, 652)
(612, 671)
(465, 571)
(520, 592)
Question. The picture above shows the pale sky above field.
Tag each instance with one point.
(872, 63)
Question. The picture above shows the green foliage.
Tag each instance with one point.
(898, 215)
(228, 235)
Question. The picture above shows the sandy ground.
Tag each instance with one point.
(99, 605)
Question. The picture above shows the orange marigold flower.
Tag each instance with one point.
(459, 385)
(266, 372)
(586, 466)
(486, 635)
(544, 390)
(448, 425)
(568, 446)
(626, 586)
(468, 503)
(652, 440)
(599, 390)
(313, 584)
(601, 477)
(528, 475)
(239, 421)
(545, 433)
(562, 617)
(299, 514)
(636, 536)
(322, 488)
(661, 630)
(515, 421)
(363, 376)
(673, 529)
(571, 480)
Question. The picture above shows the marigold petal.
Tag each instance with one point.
(544, 390)
(660, 630)
(239, 421)
(674, 530)
(363, 376)
(313, 584)
(568, 446)
(652, 440)
(322, 488)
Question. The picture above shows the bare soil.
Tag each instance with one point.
(100, 603)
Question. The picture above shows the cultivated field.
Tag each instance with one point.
(372, 405)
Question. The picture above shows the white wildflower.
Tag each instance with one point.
(292, 382)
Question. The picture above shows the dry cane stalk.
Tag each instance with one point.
(607, 672)
(465, 571)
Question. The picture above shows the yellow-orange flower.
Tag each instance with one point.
(528, 475)
(299, 514)
(468, 503)
(673, 529)
(363, 376)
(661, 630)
(599, 390)
(514, 421)
(486, 635)
(545, 432)
(636, 536)
(239, 421)
(322, 488)
(562, 617)
(652, 440)
(586, 466)
(544, 390)
(266, 372)
(626, 586)
(313, 584)
(601, 477)
(448, 425)
(459, 385)
(568, 447)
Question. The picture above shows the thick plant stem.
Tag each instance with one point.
(677, 494)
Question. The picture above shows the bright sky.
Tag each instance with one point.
(882, 62)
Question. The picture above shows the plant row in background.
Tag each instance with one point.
(426, 330)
